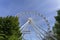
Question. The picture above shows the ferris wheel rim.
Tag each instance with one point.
(39, 14)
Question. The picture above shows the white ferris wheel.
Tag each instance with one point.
(34, 26)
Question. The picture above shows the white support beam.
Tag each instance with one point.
(37, 30)
(36, 27)
(38, 33)
(43, 30)
(24, 26)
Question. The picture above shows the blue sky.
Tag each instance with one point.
(12, 7)
(46, 7)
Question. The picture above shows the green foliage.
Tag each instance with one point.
(56, 28)
(9, 28)
(57, 19)
(58, 12)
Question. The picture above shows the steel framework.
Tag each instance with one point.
(40, 35)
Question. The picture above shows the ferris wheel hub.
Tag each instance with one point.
(30, 20)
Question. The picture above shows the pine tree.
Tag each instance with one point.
(56, 28)
(9, 28)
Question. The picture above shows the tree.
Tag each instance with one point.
(9, 28)
(56, 28)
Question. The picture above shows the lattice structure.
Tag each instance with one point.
(39, 25)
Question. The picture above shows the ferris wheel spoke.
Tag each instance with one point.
(25, 25)
(39, 33)
(35, 26)
(37, 30)
(45, 31)
(40, 27)
(39, 36)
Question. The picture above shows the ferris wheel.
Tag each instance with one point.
(34, 26)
